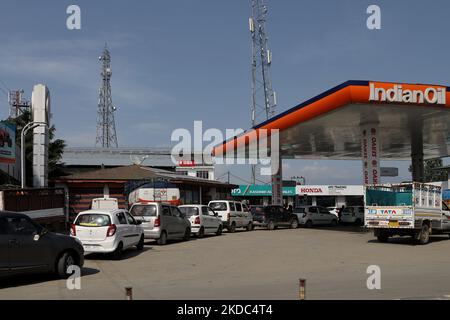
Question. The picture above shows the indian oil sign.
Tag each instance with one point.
(398, 93)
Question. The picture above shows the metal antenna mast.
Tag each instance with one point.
(264, 99)
(106, 126)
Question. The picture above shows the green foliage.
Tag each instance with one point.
(430, 172)
(56, 149)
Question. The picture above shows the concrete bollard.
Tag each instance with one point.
(302, 289)
(128, 293)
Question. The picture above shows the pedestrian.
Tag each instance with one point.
(340, 212)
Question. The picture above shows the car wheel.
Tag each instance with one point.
(270, 225)
(162, 239)
(187, 234)
(232, 228)
(65, 261)
(294, 223)
(117, 254)
(140, 245)
(201, 233)
(219, 231)
(308, 224)
(250, 226)
(424, 235)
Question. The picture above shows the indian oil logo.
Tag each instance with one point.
(431, 95)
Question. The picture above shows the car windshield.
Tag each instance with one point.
(189, 211)
(218, 206)
(93, 220)
(143, 210)
(257, 210)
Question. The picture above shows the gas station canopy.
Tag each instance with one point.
(329, 126)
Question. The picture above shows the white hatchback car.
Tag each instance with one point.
(203, 219)
(353, 215)
(107, 231)
(309, 216)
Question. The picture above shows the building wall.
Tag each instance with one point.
(82, 194)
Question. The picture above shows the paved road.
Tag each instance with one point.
(259, 265)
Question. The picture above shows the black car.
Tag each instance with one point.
(273, 216)
(26, 247)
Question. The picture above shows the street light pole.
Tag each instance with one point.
(23, 133)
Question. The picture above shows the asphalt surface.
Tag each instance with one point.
(258, 265)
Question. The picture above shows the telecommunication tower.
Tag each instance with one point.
(106, 126)
(17, 106)
(264, 98)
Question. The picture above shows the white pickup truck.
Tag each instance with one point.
(409, 209)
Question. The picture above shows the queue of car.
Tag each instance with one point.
(106, 229)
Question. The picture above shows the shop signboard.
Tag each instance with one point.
(260, 191)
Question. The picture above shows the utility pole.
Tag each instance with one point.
(106, 126)
(264, 98)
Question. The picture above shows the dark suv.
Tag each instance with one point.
(272, 217)
(26, 247)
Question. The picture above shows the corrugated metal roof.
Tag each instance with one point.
(135, 172)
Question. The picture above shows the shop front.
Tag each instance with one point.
(262, 194)
(330, 196)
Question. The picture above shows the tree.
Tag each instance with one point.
(432, 172)
(55, 151)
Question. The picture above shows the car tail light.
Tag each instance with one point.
(228, 216)
(157, 222)
(73, 230)
(111, 230)
(197, 220)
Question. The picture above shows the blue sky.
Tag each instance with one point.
(178, 61)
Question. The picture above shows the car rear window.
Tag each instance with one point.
(299, 210)
(218, 206)
(143, 211)
(93, 220)
(189, 211)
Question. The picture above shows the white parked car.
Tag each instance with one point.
(107, 231)
(203, 219)
(309, 216)
(233, 214)
(353, 215)
(334, 211)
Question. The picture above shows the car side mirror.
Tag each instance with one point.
(138, 222)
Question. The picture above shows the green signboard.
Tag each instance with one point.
(260, 191)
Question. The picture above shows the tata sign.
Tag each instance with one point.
(430, 95)
(7, 143)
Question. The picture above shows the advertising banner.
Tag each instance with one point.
(7, 143)
(260, 191)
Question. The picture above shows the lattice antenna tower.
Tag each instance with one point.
(264, 99)
(106, 126)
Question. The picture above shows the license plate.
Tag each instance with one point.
(393, 224)
(89, 247)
